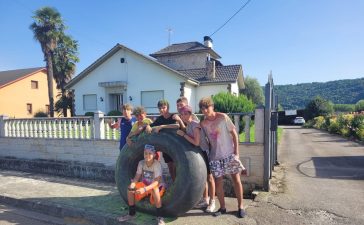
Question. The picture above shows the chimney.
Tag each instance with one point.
(207, 41)
(210, 69)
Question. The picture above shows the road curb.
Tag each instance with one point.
(62, 211)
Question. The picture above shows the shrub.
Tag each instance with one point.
(319, 122)
(344, 122)
(318, 107)
(344, 107)
(40, 114)
(228, 103)
(359, 106)
(89, 114)
(114, 113)
(333, 127)
(357, 127)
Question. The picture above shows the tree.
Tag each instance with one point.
(253, 90)
(228, 103)
(318, 107)
(64, 66)
(46, 28)
(359, 106)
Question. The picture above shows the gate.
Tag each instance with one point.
(270, 131)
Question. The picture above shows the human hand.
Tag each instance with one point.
(148, 129)
(129, 142)
(140, 191)
(181, 133)
(157, 129)
(176, 117)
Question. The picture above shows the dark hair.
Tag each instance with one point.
(127, 107)
(139, 110)
(182, 99)
(163, 102)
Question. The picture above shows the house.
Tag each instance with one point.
(123, 75)
(24, 92)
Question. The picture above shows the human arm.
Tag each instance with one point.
(195, 140)
(114, 125)
(182, 125)
(151, 186)
(160, 127)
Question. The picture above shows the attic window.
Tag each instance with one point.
(34, 84)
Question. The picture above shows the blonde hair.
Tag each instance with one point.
(205, 102)
(139, 110)
(127, 107)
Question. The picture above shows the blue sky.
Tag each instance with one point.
(298, 40)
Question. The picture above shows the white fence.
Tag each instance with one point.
(84, 128)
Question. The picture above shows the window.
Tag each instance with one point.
(34, 84)
(29, 108)
(89, 102)
(47, 109)
(150, 98)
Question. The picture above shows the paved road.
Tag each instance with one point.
(10, 215)
(320, 180)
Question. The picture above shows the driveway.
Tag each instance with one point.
(320, 181)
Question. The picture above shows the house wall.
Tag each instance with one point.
(184, 61)
(139, 73)
(208, 90)
(15, 97)
(235, 88)
(190, 93)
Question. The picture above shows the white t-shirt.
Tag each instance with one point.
(149, 173)
(218, 132)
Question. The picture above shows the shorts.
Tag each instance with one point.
(205, 158)
(167, 158)
(139, 197)
(228, 165)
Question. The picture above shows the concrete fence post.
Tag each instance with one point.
(3, 131)
(259, 125)
(99, 125)
(247, 128)
(236, 123)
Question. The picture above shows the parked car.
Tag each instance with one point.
(299, 121)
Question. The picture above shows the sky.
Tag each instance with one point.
(300, 41)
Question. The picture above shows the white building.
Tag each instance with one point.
(123, 75)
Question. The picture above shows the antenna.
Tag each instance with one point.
(169, 30)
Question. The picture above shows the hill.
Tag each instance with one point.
(296, 96)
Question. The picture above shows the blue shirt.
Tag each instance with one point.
(125, 127)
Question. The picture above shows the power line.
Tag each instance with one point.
(242, 7)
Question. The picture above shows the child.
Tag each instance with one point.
(165, 120)
(224, 152)
(195, 136)
(125, 124)
(139, 126)
(181, 102)
(149, 171)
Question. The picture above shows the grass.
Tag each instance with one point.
(252, 134)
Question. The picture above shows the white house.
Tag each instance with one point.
(123, 75)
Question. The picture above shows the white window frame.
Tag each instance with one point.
(94, 96)
(152, 101)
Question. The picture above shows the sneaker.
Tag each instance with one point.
(211, 207)
(125, 218)
(220, 212)
(202, 204)
(160, 221)
(241, 213)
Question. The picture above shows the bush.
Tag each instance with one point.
(333, 127)
(344, 107)
(359, 106)
(40, 114)
(319, 122)
(357, 127)
(228, 103)
(89, 114)
(344, 122)
(114, 113)
(318, 107)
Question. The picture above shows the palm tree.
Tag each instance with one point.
(46, 28)
(64, 65)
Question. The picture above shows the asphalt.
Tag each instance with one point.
(89, 202)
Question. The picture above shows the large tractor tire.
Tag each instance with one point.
(191, 172)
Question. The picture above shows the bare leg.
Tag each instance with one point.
(131, 197)
(220, 191)
(238, 188)
(211, 186)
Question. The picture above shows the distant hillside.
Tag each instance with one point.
(297, 96)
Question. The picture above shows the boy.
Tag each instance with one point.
(165, 120)
(149, 171)
(224, 152)
(125, 124)
(139, 126)
(182, 102)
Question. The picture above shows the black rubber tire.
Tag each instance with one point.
(191, 172)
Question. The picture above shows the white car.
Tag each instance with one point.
(299, 121)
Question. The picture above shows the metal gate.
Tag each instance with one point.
(270, 131)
